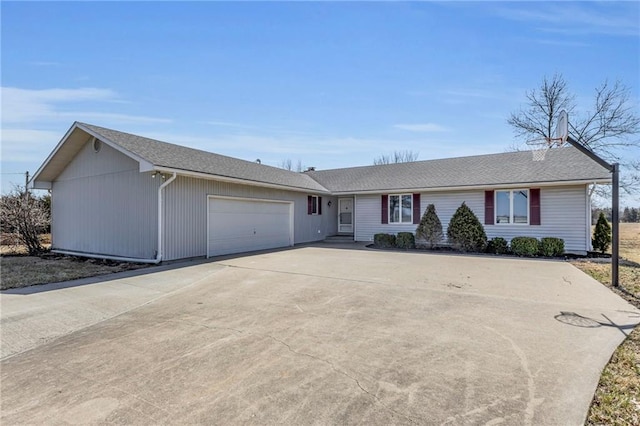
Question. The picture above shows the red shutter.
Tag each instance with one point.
(534, 206)
(385, 209)
(416, 209)
(309, 204)
(319, 205)
(488, 208)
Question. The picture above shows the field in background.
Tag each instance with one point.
(617, 398)
(630, 241)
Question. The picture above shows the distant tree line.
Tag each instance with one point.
(627, 215)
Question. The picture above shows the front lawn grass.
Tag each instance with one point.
(23, 271)
(617, 398)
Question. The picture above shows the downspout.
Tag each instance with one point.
(159, 252)
(590, 191)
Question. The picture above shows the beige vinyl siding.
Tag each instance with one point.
(102, 204)
(186, 214)
(563, 215)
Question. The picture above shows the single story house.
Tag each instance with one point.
(122, 196)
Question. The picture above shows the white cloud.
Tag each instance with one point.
(23, 145)
(421, 127)
(51, 105)
(579, 18)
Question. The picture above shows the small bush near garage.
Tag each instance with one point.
(384, 240)
(551, 247)
(465, 231)
(524, 246)
(498, 245)
(406, 240)
(430, 227)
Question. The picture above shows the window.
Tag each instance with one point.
(512, 206)
(401, 208)
(314, 204)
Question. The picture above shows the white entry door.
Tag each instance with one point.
(237, 225)
(345, 215)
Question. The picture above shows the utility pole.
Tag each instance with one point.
(26, 185)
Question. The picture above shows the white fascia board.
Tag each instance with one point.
(54, 152)
(220, 178)
(37, 184)
(477, 187)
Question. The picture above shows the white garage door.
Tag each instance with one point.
(240, 225)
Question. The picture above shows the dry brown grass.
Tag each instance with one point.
(10, 244)
(630, 241)
(23, 271)
(617, 398)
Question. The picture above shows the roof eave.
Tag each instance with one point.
(210, 176)
(487, 186)
(37, 183)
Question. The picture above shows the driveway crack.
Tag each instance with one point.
(344, 373)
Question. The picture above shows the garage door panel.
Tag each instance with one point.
(237, 226)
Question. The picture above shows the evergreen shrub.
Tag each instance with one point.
(384, 240)
(551, 247)
(430, 227)
(465, 232)
(498, 245)
(406, 240)
(601, 234)
(524, 246)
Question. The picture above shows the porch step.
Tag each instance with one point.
(339, 239)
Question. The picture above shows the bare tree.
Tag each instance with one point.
(609, 128)
(286, 164)
(26, 216)
(397, 157)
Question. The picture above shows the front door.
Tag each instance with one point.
(345, 215)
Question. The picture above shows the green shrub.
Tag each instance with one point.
(602, 234)
(465, 232)
(498, 245)
(524, 246)
(406, 240)
(430, 227)
(551, 247)
(384, 240)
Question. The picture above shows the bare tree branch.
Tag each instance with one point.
(397, 157)
(609, 128)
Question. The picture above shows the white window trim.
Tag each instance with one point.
(317, 204)
(511, 191)
(410, 222)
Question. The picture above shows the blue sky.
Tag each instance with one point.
(332, 84)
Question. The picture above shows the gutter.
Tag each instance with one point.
(159, 252)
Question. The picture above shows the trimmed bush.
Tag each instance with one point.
(465, 232)
(551, 247)
(405, 240)
(498, 245)
(384, 240)
(430, 227)
(524, 246)
(602, 234)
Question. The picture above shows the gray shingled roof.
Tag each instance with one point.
(163, 154)
(560, 164)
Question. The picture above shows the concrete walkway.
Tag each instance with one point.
(323, 335)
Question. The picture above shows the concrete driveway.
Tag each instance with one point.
(320, 335)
